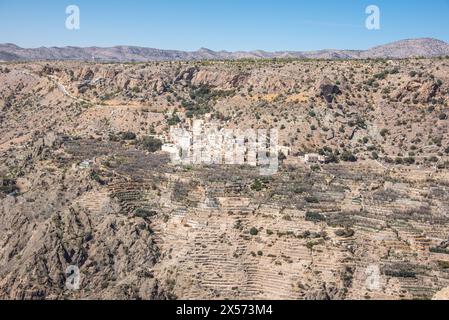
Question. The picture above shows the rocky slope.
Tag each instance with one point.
(409, 48)
(80, 185)
(425, 47)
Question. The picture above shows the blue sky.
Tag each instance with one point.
(221, 24)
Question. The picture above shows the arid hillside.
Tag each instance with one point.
(392, 109)
(83, 181)
(409, 48)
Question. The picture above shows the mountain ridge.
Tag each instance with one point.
(408, 48)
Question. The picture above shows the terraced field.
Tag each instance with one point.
(307, 235)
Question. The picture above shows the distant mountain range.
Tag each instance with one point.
(424, 47)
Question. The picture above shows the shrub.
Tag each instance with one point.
(381, 76)
(315, 217)
(400, 270)
(257, 185)
(202, 97)
(8, 186)
(151, 144)
(331, 158)
(144, 213)
(96, 177)
(439, 250)
(128, 136)
(173, 120)
(312, 244)
(311, 199)
(281, 157)
(348, 157)
(254, 231)
(300, 189)
(443, 264)
(344, 233)
(400, 273)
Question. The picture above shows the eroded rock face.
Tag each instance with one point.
(160, 86)
(87, 74)
(328, 90)
(417, 91)
(62, 220)
(186, 76)
(428, 91)
(115, 254)
(220, 79)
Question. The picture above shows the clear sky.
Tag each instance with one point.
(221, 24)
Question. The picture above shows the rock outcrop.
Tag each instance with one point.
(328, 90)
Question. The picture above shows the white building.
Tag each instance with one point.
(170, 148)
(285, 150)
(314, 158)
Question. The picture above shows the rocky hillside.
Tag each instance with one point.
(388, 110)
(409, 48)
(402, 49)
(83, 181)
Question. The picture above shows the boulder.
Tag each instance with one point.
(161, 86)
(328, 90)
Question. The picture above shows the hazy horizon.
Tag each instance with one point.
(198, 49)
